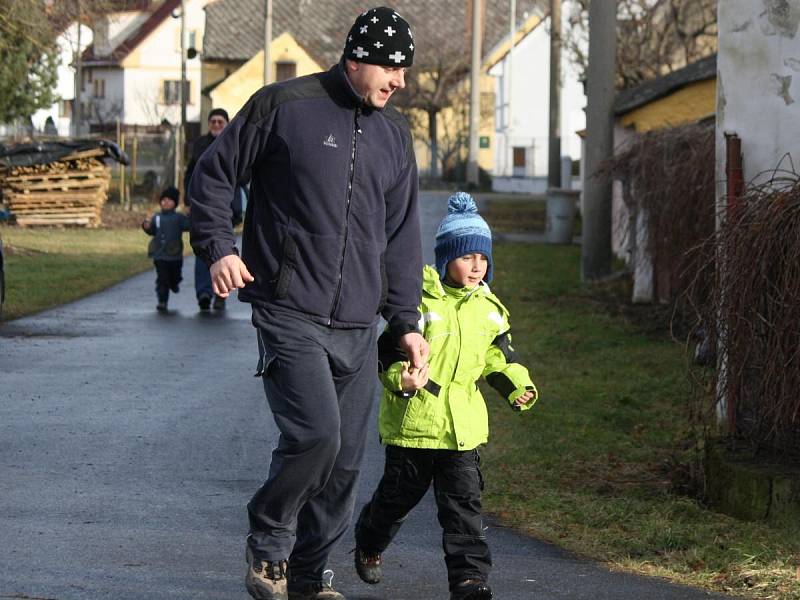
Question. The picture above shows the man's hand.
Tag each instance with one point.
(228, 274)
(412, 379)
(416, 348)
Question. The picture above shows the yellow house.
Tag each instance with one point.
(684, 96)
(310, 39)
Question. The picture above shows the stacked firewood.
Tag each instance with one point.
(69, 191)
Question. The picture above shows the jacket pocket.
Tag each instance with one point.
(265, 357)
(288, 264)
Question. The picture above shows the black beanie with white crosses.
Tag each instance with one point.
(380, 37)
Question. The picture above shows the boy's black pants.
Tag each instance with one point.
(457, 483)
(168, 276)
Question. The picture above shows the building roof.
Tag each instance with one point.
(235, 28)
(129, 44)
(639, 95)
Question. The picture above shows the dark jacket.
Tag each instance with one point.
(167, 229)
(199, 146)
(332, 228)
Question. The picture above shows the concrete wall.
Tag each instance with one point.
(758, 83)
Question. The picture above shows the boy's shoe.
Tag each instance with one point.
(219, 303)
(176, 288)
(368, 566)
(321, 590)
(161, 307)
(204, 301)
(471, 589)
(265, 580)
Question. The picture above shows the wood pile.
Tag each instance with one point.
(69, 191)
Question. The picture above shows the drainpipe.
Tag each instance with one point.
(734, 180)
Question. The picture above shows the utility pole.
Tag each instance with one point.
(76, 103)
(512, 34)
(596, 247)
(474, 96)
(267, 41)
(180, 139)
(554, 134)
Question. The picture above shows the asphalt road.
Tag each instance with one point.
(130, 443)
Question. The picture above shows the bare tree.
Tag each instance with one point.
(654, 37)
(431, 89)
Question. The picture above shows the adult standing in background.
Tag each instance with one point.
(217, 121)
(331, 243)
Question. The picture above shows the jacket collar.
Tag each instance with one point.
(433, 286)
(343, 91)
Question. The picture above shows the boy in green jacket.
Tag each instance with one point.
(433, 419)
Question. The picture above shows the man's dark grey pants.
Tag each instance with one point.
(320, 385)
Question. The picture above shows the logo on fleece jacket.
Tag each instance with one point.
(330, 141)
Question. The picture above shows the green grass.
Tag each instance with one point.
(514, 215)
(46, 267)
(590, 466)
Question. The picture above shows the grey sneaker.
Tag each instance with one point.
(368, 566)
(265, 580)
(321, 590)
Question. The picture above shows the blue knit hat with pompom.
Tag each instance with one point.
(462, 231)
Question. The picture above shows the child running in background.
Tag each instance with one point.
(166, 247)
(433, 419)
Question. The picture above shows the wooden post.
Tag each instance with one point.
(122, 172)
(134, 158)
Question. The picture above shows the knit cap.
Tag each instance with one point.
(380, 36)
(462, 231)
(172, 193)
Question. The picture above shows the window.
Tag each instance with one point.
(65, 108)
(519, 157)
(99, 88)
(172, 92)
(519, 161)
(285, 70)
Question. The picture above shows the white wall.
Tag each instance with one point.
(113, 30)
(65, 86)
(758, 84)
(530, 81)
(110, 107)
(137, 90)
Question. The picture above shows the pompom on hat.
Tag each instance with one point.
(462, 231)
(380, 36)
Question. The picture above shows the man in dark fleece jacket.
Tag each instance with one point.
(331, 243)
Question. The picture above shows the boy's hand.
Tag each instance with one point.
(524, 399)
(412, 379)
(229, 273)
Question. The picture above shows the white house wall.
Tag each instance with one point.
(530, 105)
(156, 59)
(109, 108)
(758, 84)
(118, 27)
(65, 86)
